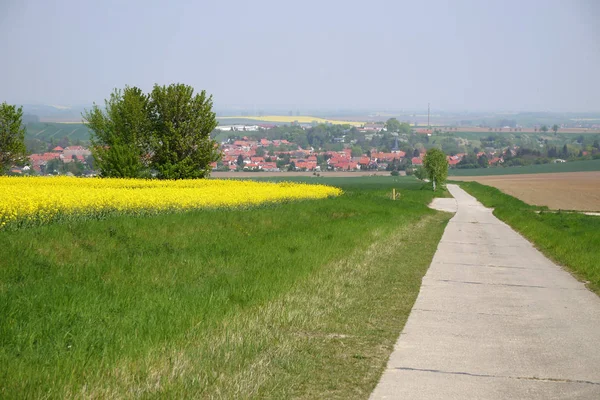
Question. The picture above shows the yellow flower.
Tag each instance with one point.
(42, 199)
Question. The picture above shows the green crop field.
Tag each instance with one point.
(295, 300)
(574, 166)
(47, 131)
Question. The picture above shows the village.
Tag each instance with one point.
(257, 155)
(247, 154)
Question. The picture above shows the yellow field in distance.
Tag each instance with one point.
(302, 119)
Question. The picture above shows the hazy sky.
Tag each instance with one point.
(459, 55)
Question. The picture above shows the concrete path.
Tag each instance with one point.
(495, 319)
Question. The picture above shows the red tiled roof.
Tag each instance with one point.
(417, 161)
(268, 165)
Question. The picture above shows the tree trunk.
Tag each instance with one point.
(433, 180)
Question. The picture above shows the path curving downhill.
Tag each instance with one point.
(495, 319)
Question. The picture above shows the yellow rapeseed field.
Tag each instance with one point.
(302, 119)
(35, 200)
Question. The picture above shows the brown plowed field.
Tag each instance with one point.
(560, 191)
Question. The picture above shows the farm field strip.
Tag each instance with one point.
(562, 191)
(574, 166)
(35, 200)
(289, 119)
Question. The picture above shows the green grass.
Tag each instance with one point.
(573, 166)
(571, 239)
(301, 300)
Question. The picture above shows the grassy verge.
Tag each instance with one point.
(299, 300)
(570, 239)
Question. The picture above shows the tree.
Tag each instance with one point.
(121, 134)
(555, 128)
(260, 152)
(393, 125)
(240, 161)
(483, 161)
(420, 173)
(12, 136)
(436, 165)
(544, 128)
(167, 131)
(181, 123)
(54, 166)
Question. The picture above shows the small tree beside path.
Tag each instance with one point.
(436, 165)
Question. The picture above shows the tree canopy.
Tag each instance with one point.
(436, 165)
(393, 125)
(121, 134)
(12, 136)
(165, 132)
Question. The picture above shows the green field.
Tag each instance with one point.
(47, 131)
(571, 239)
(296, 300)
(573, 166)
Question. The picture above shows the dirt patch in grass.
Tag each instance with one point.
(560, 191)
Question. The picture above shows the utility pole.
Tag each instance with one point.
(428, 124)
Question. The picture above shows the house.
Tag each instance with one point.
(71, 151)
(379, 157)
(453, 160)
(417, 161)
(308, 165)
(495, 160)
(345, 165)
(251, 166)
(424, 131)
(269, 167)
